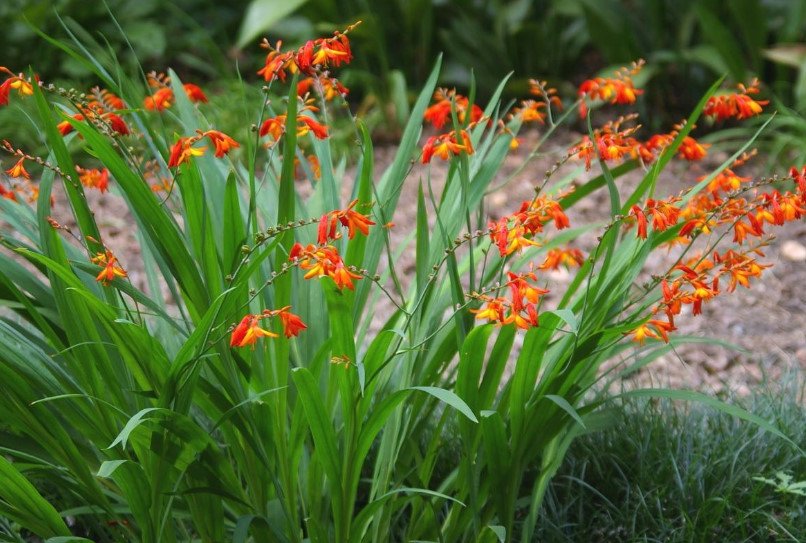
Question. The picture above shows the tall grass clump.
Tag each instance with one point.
(663, 473)
(269, 373)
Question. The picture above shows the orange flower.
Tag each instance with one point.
(493, 311)
(18, 170)
(446, 145)
(740, 267)
(439, 113)
(691, 150)
(223, 143)
(194, 93)
(569, 258)
(161, 100)
(738, 105)
(277, 63)
(96, 179)
(275, 126)
(530, 111)
(509, 239)
(323, 261)
(618, 90)
(65, 127)
(610, 143)
(655, 329)
(306, 124)
(182, 150)
(16, 82)
(248, 332)
(292, 324)
(111, 268)
(520, 288)
(328, 86)
(353, 220)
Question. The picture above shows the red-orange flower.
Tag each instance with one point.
(275, 126)
(738, 105)
(439, 113)
(162, 99)
(328, 86)
(249, 331)
(691, 150)
(223, 143)
(530, 111)
(94, 178)
(353, 220)
(182, 150)
(446, 145)
(323, 261)
(15, 82)
(656, 329)
(569, 258)
(292, 324)
(194, 93)
(111, 269)
(617, 90)
(18, 170)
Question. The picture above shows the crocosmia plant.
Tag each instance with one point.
(262, 368)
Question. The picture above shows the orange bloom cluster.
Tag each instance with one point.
(700, 277)
(329, 87)
(94, 178)
(22, 181)
(530, 111)
(570, 258)
(111, 269)
(664, 213)
(275, 127)
(104, 107)
(16, 82)
(690, 149)
(446, 145)
(314, 55)
(439, 113)
(548, 94)
(353, 220)
(610, 143)
(321, 261)
(698, 283)
(534, 110)
(248, 331)
(738, 105)
(520, 308)
(616, 90)
(163, 97)
(183, 149)
(510, 233)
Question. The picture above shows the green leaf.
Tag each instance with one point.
(563, 404)
(136, 420)
(21, 502)
(324, 435)
(449, 398)
(261, 15)
(108, 467)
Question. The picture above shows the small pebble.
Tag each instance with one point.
(793, 251)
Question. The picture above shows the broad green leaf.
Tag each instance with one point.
(21, 502)
(449, 398)
(261, 15)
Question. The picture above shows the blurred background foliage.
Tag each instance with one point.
(687, 43)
